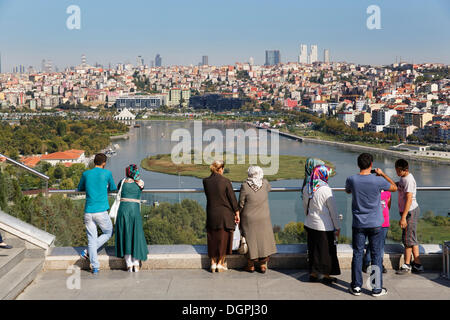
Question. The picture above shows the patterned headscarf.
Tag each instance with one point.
(255, 176)
(319, 178)
(310, 164)
(132, 172)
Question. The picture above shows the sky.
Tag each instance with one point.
(227, 31)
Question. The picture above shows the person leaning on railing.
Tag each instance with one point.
(256, 225)
(130, 237)
(221, 215)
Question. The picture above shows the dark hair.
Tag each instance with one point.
(99, 159)
(365, 160)
(401, 164)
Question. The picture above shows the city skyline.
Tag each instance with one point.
(41, 32)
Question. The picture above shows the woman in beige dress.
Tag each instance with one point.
(256, 225)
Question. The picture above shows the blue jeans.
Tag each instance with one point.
(1, 239)
(367, 259)
(358, 241)
(95, 243)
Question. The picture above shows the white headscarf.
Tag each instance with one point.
(255, 176)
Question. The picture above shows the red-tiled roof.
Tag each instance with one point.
(64, 155)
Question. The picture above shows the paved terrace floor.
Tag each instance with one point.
(194, 284)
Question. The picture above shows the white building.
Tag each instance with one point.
(382, 116)
(303, 57)
(313, 54)
(125, 114)
(326, 56)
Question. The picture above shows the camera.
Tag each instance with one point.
(373, 171)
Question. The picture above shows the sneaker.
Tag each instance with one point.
(95, 271)
(404, 269)
(355, 291)
(84, 254)
(381, 293)
(416, 268)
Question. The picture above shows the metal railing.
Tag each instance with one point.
(201, 190)
(30, 170)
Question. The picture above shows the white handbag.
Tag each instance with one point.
(236, 238)
(115, 206)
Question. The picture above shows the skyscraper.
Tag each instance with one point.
(204, 60)
(158, 60)
(251, 61)
(303, 57)
(83, 60)
(313, 54)
(272, 57)
(326, 56)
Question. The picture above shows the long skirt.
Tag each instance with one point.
(220, 242)
(130, 237)
(322, 253)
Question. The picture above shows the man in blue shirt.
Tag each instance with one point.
(97, 182)
(366, 188)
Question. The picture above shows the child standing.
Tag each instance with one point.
(410, 212)
(386, 206)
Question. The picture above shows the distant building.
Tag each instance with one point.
(418, 119)
(158, 61)
(272, 57)
(67, 158)
(382, 116)
(326, 56)
(141, 102)
(125, 114)
(215, 102)
(303, 57)
(402, 131)
(204, 60)
(313, 55)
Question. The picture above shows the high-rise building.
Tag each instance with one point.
(251, 61)
(139, 61)
(204, 60)
(303, 57)
(272, 57)
(152, 63)
(326, 56)
(313, 54)
(158, 60)
(43, 65)
(83, 60)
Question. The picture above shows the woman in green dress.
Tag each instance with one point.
(130, 238)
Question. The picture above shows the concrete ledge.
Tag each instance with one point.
(25, 231)
(196, 257)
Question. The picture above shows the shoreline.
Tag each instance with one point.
(355, 147)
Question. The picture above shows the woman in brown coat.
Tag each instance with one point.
(221, 215)
(256, 225)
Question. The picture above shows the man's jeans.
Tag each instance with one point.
(358, 241)
(95, 243)
(367, 258)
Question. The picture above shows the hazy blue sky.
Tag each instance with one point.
(227, 31)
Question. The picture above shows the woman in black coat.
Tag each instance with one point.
(222, 214)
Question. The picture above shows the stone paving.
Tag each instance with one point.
(195, 284)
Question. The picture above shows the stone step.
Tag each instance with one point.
(19, 277)
(13, 240)
(9, 258)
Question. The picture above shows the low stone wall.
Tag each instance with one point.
(195, 257)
